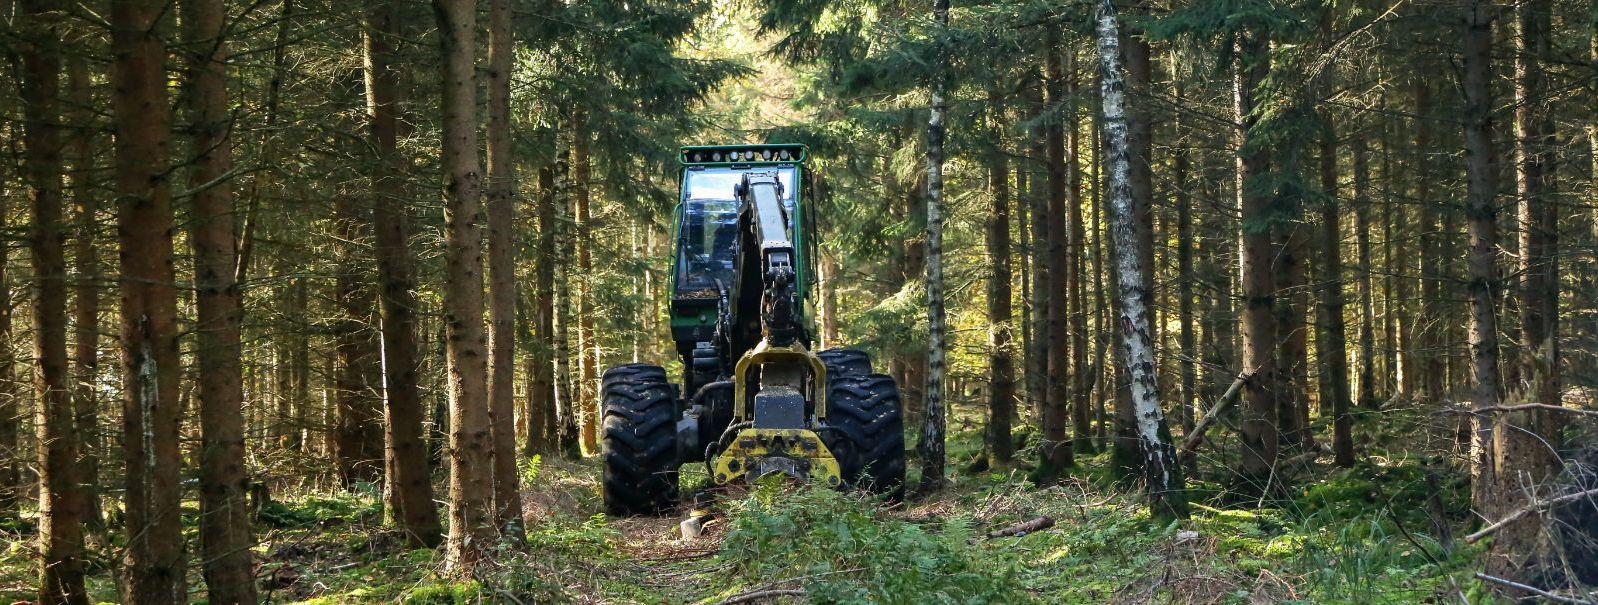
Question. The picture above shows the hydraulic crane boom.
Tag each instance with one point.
(755, 399)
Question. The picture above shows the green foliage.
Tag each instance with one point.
(445, 593)
(527, 468)
(842, 549)
(897, 324)
(319, 509)
(590, 539)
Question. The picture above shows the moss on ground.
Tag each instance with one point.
(1359, 535)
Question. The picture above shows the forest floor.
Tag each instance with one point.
(1358, 536)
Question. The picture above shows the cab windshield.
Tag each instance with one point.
(709, 229)
(709, 240)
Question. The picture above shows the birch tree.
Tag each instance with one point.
(932, 427)
(1161, 474)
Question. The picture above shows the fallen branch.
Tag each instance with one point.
(1304, 458)
(1192, 440)
(745, 597)
(1531, 589)
(1535, 507)
(765, 590)
(1519, 407)
(1024, 527)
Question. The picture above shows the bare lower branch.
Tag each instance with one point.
(1534, 508)
(1518, 407)
(1531, 589)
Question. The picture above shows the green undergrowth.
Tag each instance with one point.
(1368, 534)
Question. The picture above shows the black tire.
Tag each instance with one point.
(640, 423)
(867, 432)
(846, 362)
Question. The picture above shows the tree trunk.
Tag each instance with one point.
(60, 506)
(829, 300)
(1367, 269)
(1538, 213)
(86, 293)
(932, 426)
(471, 522)
(1391, 327)
(1103, 375)
(1482, 174)
(155, 552)
(587, 349)
(1081, 405)
(1056, 453)
(10, 417)
(1423, 350)
(409, 489)
(1187, 341)
(568, 408)
(541, 371)
(1037, 369)
(1524, 453)
(225, 536)
(356, 441)
(502, 269)
(1332, 345)
(1259, 438)
(1162, 475)
(1001, 357)
(1140, 148)
(1292, 361)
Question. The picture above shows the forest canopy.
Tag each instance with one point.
(1212, 301)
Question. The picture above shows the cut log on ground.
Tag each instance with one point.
(1023, 528)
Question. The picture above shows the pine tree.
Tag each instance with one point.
(155, 552)
(471, 521)
(502, 269)
(409, 489)
(1001, 360)
(60, 507)
(1259, 434)
(225, 536)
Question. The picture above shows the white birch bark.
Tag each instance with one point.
(932, 428)
(1163, 477)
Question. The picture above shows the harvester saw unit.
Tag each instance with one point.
(753, 398)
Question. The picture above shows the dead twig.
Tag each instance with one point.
(1535, 507)
(747, 597)
(1531, 589)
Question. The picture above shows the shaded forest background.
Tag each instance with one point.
(241, 241)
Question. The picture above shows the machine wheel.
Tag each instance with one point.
(853, 362)
(640, 419)
(870, 450)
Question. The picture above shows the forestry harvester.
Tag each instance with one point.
(753, 399)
